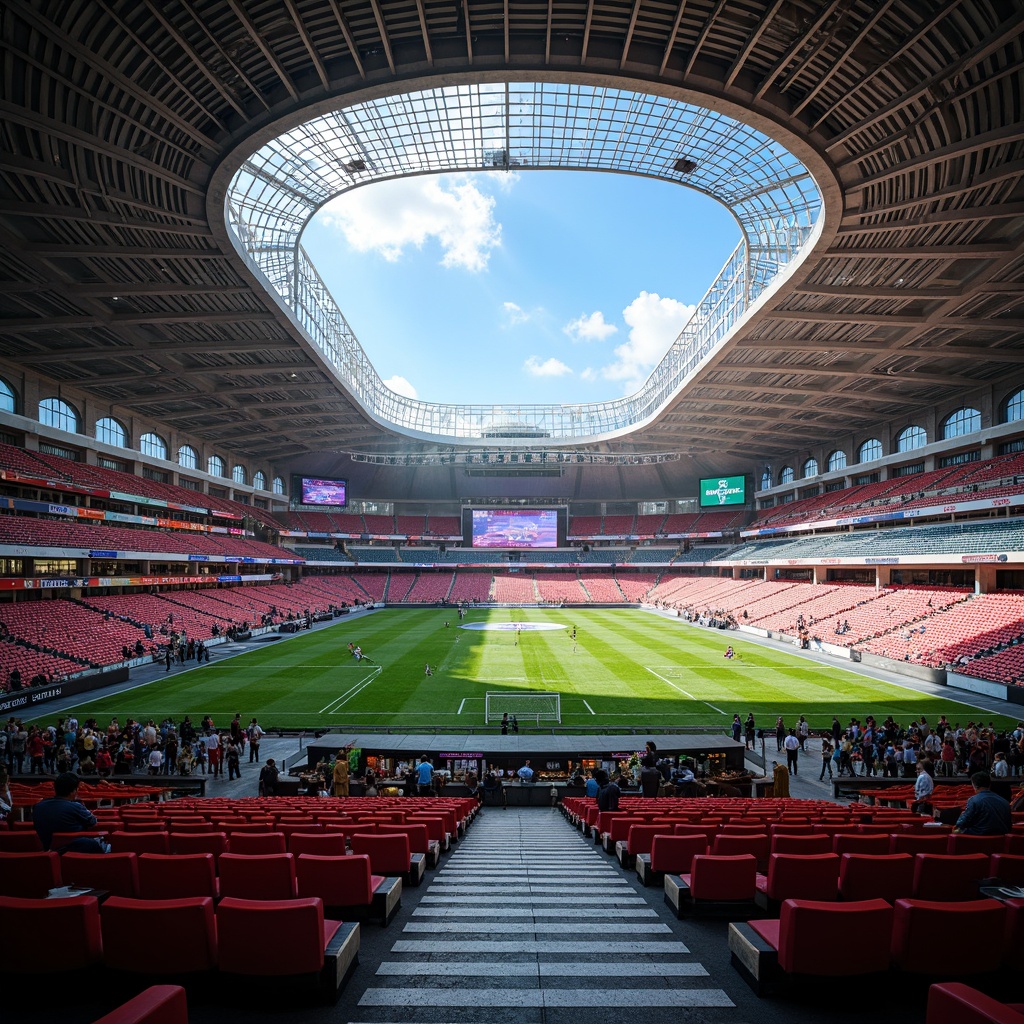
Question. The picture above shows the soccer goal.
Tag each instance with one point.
(531, 706)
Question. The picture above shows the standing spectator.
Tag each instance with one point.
(826, 757)
(234, 770)
(750, 731)
(803, 732)
(792, 746)
(780, 732)
(339, 776)
(268, 778)
(19, 743)
(255, 734)
(923, 788)
(737, 728)
(424, 776)
(34, 747)
(213, 752)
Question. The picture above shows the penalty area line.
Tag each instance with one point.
(589, 708)
(686, 692)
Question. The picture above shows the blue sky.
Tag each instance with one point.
(526, 287)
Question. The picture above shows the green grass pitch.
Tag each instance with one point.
(629, 669)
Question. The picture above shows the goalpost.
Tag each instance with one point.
(529, 706)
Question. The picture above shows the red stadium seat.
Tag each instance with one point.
(29, 875)
(159, 936)
(177, 876)
(116, 873)
(346, 884)
(76, 920)
(955, 1003)
(941, 877)
(917, 923)
(268, 876)
(257, 843)
(888, 876)
(158, 1004)
(794, 876)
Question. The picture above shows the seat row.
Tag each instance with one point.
(732, 883)
(183, 938)
(365, 884)
(878, 936)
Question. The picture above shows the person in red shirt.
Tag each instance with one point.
(35, 750)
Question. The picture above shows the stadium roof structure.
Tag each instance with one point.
(133, 132)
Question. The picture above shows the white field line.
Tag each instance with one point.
(687, 692)
(351, 692)
(589, 708)
(462, 705)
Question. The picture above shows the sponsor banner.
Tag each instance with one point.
(103, 554)
(200, 558)
(881, 561)
(968, 559)
(10, 703)
(229, 579)
(449, 754)
(134, 499)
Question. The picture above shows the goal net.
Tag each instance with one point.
(532, 706)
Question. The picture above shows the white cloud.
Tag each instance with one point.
(514, 314)
(551, 367)
(390, 216)
(654, 323)
(401, 386)
(590, 327)
(588, 374)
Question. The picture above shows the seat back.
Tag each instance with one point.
(297, 928)
(805, 925)
(942, 877)
(337, 881)
(20, 842)
(915, 842)
(177, 876)
(117, 873)
(803, 876)
(719, 877)
(199, 842)
(1007, 867)
(257, 843)
(674, 854)
(76, 920)
(956, 843)
(326, 844)
(783, 842)
(269, 876)
(29, 875)
(918, 922)
(757, 844)
(953, 1002)
(158, 1004)
(852, 843)
(640, 837)
(151, 841)
(389, 854)
(159, 936)
(885, 876)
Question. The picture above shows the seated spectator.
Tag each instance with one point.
(986, 813)
(63, 813)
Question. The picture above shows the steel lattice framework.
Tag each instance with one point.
(122, 122)
(522, 126)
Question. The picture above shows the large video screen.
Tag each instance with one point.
(515, 528)
(723, 490)
(321, 492)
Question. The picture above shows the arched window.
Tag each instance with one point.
(239, 475)
(259, 480)
(278, 485)
(963, 421)
(910, 438)
(215, 465)
(766, 478)
(188, 457)
(112, 432)
(1013, 408)
(786, 476)
(153, 445)
(870, 450)
(55, 412)
(836, 461)
(810, 468)
(8, 399)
